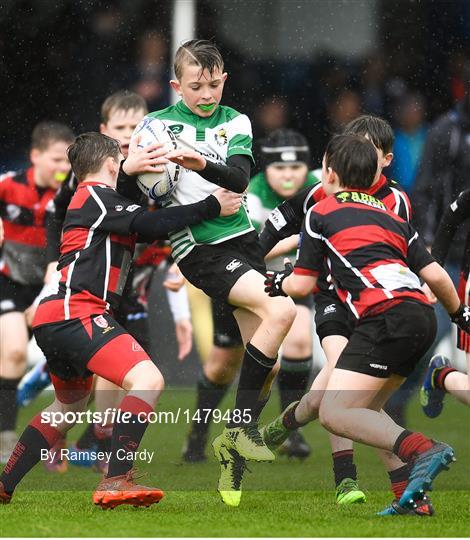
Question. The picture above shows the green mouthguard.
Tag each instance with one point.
(207, 108)
(60, 176)
(288, 184)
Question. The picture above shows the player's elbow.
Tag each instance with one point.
(241, 185)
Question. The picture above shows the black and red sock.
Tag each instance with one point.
(37, 437)
(289, 421)
(127, 435)
(410, 444)
(103, 436)
(399, 480)
(343, 465)
(440, 375)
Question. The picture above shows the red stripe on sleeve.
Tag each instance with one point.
(305, 271)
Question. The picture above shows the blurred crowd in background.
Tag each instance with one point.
(60, 59)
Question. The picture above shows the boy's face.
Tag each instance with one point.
(51, 165)
(201, 92)
(121, 125)
(286, 179)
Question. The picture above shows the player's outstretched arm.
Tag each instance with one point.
(285, 220)
(441, 285)
(283, 247)
(157, 225)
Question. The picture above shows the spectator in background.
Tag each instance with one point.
(151, 73)
(271, 114)
(410, 135)
(442, 175)
(443, 172)
(373, 84)
(343, 108)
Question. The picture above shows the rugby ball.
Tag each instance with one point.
(157, 186)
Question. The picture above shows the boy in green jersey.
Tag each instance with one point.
(285, 156)
(222, 256)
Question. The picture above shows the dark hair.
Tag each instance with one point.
(123, 100)
(198, 52)
(45, 133)
(378, 130)
(284, 146)
(89, 151)
(354, 159)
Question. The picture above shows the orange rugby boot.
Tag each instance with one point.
(117, 490)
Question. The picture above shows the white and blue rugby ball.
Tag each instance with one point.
(157, 186)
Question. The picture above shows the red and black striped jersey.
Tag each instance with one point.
(287, 218)
(24, 208)
(388, 191)
(372, 253)
(95, 254)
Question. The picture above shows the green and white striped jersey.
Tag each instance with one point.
(223, 134)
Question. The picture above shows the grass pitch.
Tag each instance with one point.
(285, 498)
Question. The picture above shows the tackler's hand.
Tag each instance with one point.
(150, 159)
(462, 318)
(274, 280)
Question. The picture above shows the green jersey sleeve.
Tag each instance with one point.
(240, 136)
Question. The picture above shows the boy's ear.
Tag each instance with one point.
(224, 76)
(175, 84)
(33, 155)
(112, 164)
(103, 128)
(387, 159)
(330, 175)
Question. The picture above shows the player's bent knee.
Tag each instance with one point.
(144, 376)
(157, 382)
(282, 313)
